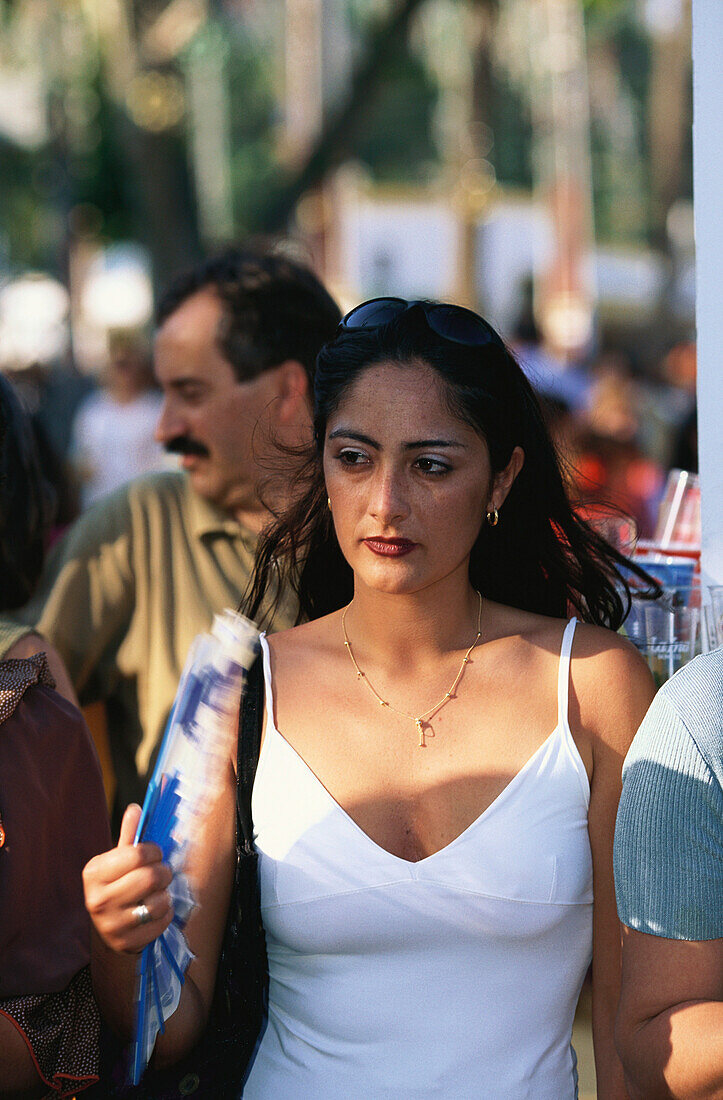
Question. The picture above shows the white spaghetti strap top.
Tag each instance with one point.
(454, 977)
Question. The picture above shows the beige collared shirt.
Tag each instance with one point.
(125, 592)
(10, 633)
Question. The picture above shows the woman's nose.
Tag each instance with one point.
(388, 501)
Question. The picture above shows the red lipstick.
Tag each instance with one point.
(390, 548)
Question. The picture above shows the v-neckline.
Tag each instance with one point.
(379, 848)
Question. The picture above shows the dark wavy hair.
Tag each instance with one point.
(542, 556)
(26, 503)
(274, 308)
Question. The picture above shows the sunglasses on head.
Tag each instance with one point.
(454, 323)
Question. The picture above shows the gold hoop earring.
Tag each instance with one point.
(328, 503)
(493, 517)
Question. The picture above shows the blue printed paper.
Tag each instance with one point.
(198, 743)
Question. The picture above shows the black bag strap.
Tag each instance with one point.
(251, 719)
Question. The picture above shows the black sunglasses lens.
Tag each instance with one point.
(461, 326)
(377, 312)
(451, 322)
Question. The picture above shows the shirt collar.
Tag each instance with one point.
(206, 519)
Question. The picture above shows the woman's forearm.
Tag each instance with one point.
(114, 985)
(611, 1083)
(677, 1055)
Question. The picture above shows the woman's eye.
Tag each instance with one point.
(432, 466)
(352, 458)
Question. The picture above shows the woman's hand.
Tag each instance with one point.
(117, 882)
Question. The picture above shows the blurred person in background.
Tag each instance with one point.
(60, 476)
(51, 392)
(552, 379)
(49, 1023)
(113, 429)
(143, 571)
(679, 371)
(609, 465)
(669, 885)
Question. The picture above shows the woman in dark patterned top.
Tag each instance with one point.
(52, 819)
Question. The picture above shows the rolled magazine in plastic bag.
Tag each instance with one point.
(196, 748)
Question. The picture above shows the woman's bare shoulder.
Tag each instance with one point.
(611, 686)
(603, 656)
(309, 641)
(612, 683)
(527, 628)
(600, 652)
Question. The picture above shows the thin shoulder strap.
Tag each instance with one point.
(266, 673)
(563, 674)
(251, 716)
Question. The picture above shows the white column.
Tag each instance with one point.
(708, 190)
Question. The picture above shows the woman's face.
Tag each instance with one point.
(409, 483)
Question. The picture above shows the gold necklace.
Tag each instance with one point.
(422, 719)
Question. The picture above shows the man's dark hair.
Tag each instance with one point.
(274, 308)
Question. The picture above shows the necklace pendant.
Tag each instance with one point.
(420, 731)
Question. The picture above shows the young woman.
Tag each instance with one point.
(440, 768)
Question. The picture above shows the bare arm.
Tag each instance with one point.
(18, 1075)
(669, 869)
(670, 1022)
(613, 688)
(118, 880)
(29, 645)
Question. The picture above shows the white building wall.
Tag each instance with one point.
(708, 190)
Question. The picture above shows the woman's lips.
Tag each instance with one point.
(390, 548)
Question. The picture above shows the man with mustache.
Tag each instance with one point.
(145, 570)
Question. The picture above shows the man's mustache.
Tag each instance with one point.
(184, 445)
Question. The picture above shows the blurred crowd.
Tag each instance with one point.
(94, 433)
(620, 425)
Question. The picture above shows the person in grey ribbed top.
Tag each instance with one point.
(669, 885)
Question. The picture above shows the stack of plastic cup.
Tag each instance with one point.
(669, 631)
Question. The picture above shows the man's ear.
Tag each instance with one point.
(504, 480)
(292, 388)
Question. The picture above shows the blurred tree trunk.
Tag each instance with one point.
(338, 134)
(668, 107)
(166, 216)
(157, 179)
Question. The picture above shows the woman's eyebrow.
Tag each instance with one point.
(413, 445)
(347, 433)
(418, 443)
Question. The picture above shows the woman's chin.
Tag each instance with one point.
(393, 582)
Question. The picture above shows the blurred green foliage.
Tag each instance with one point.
(511, 122)
(140, 184)
(395, 140)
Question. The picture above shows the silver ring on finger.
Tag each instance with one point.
(142, 914)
